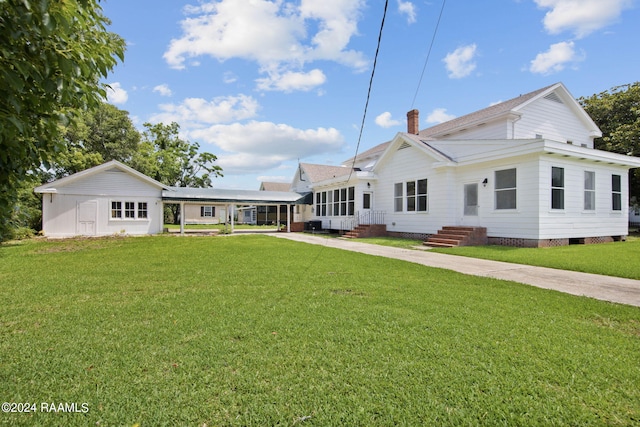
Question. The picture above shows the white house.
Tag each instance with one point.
(524, 170)
(107, 199)
(113, 198)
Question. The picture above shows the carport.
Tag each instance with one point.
(233, 198)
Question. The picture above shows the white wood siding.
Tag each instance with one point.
(60, 216)
(412, 164)
(553, 121)
(520, 222)
(110, 183)
(573, 221)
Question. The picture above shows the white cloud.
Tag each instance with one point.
(241, 163)
(267, 138)
(277, 35)
(439, 115)
(229, 77)
(116, 94)
(384, 120)
(581, 17)
(198, 112)
(407, 8)
(460, 62)
(265, 145)
(555, 59)
(163, 90)
(245, 147)
(290, 81)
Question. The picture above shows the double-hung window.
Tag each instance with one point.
(616, 193)
(411, 196)
(398, 197)
(422, 196)
(143, 211)
(129, 210)
(207, 211)
(506, 189)
(557, 188)
(116, 210)
(589, 191)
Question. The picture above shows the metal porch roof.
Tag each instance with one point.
(217, 195)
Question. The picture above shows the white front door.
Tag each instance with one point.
(367, 207)
(87, 213)
(471, 199)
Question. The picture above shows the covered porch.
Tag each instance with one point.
(232, 199)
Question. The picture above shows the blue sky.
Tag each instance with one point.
(265, 83)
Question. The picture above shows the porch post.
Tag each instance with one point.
(278, 217)
(231, 210)
(288, 218)
(182, 218)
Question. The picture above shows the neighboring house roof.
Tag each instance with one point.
(317, 173)
(275, 186)
(51, 187)
(216, 195)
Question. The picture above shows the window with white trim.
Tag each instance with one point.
(557, 188)
(143, 212)
(411, 196)
(128, 210)
(616, 193)
(340, 202)
(207, 211)
(589, 191)
(116, 210)
(398, 197)
(506, 189)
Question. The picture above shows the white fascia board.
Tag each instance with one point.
(355, 177)
(553, 147)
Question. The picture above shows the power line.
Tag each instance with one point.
(373, 71)
(433, 38)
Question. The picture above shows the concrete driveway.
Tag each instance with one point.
(614, 289)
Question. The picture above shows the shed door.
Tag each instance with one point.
(87, 213)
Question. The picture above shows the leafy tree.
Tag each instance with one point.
(173, 161)
(617, 113)
(95, 137)
(53, 54)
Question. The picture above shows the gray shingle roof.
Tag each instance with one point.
(317, 173)
(275, 186)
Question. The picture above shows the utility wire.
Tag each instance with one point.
(366, 105)
(433, 38)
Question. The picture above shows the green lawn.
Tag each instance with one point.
(618, 259)
(220, 227)
(254, 330)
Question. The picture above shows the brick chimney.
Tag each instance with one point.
(413, 122)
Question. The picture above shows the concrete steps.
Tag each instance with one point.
(453, 236)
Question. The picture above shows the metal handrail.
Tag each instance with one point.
(363, 218)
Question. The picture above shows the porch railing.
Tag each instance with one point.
(363, 218)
